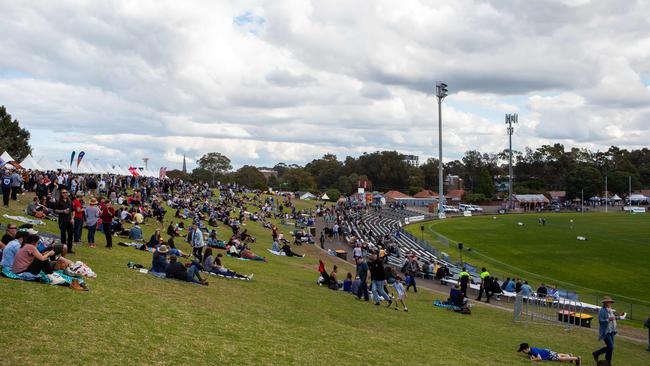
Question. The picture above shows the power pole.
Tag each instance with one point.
(510, 119)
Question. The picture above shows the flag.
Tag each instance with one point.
(162, 174)
(133, 171)
(71, 158)
(81, 156)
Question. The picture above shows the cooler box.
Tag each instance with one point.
(342, 254)
(583, 320)
(564, 316)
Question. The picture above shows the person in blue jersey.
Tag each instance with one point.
(545, 354)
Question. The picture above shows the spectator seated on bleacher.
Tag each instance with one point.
(495, 288)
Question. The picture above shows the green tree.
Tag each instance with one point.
(584, 179)
(333, 194)
(484, 183)
(250, 177)
(298, 179)
(13, 138)
(201, 175)
(326, 170)
(216, 164)
(178, 174)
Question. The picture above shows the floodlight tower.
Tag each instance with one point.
(146, 162)
(441, 93)
(510, 119)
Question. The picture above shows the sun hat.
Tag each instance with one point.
(163, 249)
(607, 299)
(93, 201)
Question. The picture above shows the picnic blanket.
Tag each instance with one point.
(41, 277)
(138, 246)
(444, 305)
(159, 275)
(281, 254)
(24, 219)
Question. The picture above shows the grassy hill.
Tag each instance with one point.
(613, 260)
(281, 317)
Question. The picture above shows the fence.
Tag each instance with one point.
(563, 312)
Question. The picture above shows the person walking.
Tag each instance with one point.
(607, 329)
(196, 240)
(16, 182)
(464, 280)
(322, 239)
(412, 269)
(107, 212)
(362, 273)
(6, 188)
(92, 216)
(646, 323)
(378, 278)
(485, 285)
(63, 207)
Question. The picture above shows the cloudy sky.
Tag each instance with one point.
(270, 81)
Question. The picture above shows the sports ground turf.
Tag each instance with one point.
(281, 317)
(613, 260)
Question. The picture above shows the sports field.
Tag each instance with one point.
(281, 318)
(613, 260)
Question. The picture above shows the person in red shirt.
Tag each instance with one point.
(107, 212)
(78, 209)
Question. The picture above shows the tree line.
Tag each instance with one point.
(485, 175)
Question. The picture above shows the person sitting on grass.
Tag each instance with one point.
(155, 239)
(214, 265)
(159, 261)
(12, 247)
(456, 297)
(29, 260)
(275, 246)
(333, 282)
(136, 233)
(347, 283)
(289, 253)
(544, 354)
(172, 230)
(178, 271)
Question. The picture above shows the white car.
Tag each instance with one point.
(450, 209)
(465, 207)
(476, 208)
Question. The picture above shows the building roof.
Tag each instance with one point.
(396, 194)
(425, 194)
(557, 194)
(456, 193)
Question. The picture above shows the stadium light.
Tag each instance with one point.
(510, 119)
(441, 93)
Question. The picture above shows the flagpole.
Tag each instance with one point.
(606, 204)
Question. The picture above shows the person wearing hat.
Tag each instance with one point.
(159, 261)
(545, 354)
(92, 216)
(607, 329)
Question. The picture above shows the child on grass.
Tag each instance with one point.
(398, 285)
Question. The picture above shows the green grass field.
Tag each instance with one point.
(281, 318)
(614, 259)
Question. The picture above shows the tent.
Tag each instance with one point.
(325, 197)
(6, 157)
(307, 196)
(616, 198)
(30, 163)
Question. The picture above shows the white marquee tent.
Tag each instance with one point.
(30, 163)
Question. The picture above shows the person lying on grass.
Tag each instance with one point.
(214, 265)
(289, 253)
(544, 354)
(178, 271)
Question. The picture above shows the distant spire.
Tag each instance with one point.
(184, 165)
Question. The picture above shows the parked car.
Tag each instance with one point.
(476, 208)
(451, 209)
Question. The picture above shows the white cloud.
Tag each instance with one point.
(268, 81)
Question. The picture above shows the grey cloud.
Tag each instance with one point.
(286, 78)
